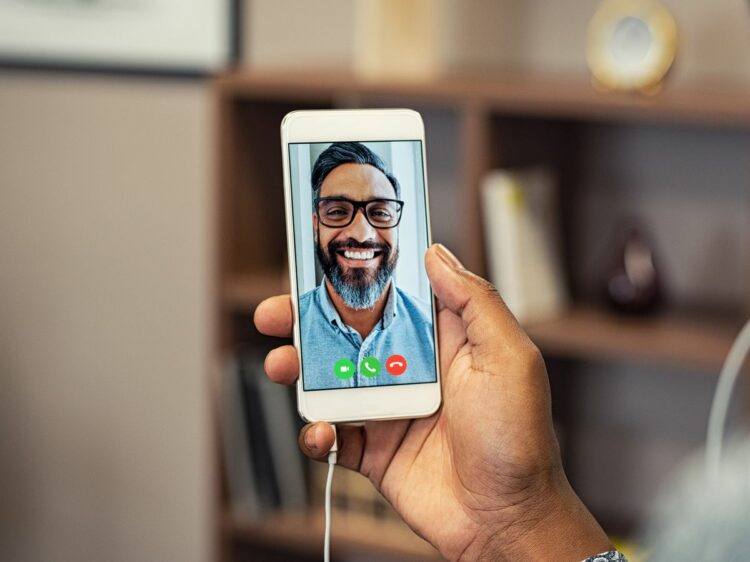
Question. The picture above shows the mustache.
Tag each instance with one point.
(336, 245)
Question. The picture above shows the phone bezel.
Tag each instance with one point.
(371, 403)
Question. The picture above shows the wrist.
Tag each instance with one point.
(552, 525)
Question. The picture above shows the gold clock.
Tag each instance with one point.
(631, 45)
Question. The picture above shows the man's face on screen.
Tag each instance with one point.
(358, 259)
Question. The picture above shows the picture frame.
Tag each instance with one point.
(149, 36)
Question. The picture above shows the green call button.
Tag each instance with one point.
(369, 367)
(343, 369)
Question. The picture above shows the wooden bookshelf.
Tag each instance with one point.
(681, 341)
(673, 341)
(260, 99)
(544, 96)
(501, 121)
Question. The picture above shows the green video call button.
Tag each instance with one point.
(344, 369)
(369, 367)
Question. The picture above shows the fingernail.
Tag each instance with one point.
(310, 438)
(448, 257)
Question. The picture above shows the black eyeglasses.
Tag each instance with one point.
(339, 212)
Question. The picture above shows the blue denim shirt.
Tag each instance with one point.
(405, 329)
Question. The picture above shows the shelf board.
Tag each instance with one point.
(671, 340)
(350, 534)
(247, 290)
(580, 333)
(571, 97)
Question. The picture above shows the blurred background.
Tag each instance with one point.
(141, 220)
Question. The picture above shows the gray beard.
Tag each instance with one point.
(357, 291)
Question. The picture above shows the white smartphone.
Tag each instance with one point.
(357, 229)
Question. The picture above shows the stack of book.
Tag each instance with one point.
(265, 470)
(520, 213)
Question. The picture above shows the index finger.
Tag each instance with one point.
(273, 316)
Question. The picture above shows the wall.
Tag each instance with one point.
(281, 33)
(104, 288)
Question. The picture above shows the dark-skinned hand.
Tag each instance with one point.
(482, 478)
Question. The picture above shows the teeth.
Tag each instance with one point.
(359, 255)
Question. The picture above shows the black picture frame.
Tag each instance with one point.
(233, 36)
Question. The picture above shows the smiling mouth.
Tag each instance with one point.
(359, 255)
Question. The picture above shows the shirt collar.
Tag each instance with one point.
(332, 315)
(389, 312)
(329, 311)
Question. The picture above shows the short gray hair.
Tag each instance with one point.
(347, 153)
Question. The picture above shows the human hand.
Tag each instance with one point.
(482, 478)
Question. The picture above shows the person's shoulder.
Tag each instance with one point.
(306, 300)
(415, 305)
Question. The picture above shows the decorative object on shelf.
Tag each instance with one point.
(397, 39)
(632, 282)
(521, 229)
(120, 35)
(631, 45)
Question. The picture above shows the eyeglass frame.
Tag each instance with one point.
(357, 206)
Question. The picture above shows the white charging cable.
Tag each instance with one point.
(722, 398)
(332, 458)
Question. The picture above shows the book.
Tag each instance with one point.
(522, 240)
(241, 487)
(282, 428)
(258, 439)
(265, 471)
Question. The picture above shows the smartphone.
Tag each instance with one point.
(358, 228)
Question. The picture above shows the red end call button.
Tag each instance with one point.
(395, 365)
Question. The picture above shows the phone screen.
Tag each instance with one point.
(365, 305)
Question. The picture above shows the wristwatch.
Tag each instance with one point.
(611, 556)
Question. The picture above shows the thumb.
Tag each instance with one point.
(491, 328)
